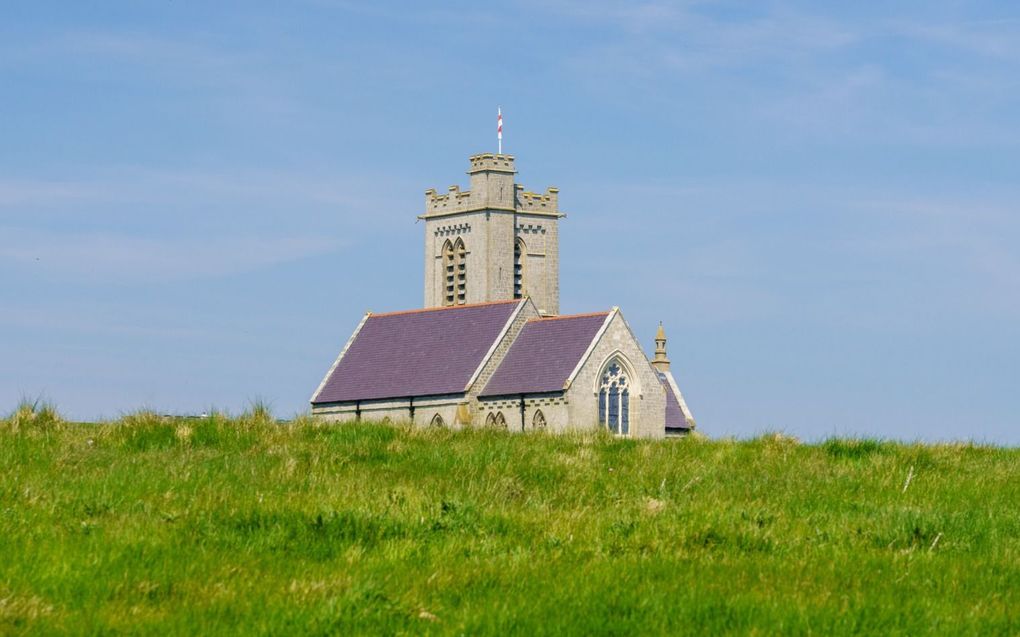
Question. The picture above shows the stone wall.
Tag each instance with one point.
(648, 398)
(473, 229)
(448, 407)
(488, 218)
(553, 407)
(540, 235)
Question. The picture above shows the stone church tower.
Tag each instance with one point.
(494, 242)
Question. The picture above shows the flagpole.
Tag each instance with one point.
(499, 128)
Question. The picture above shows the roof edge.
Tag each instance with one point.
(444, 308)
(553, 392)
(456, 394)
(499, 338)
(347, 346)
(591, 347)
(560, 317)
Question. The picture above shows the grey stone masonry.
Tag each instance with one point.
(648, 402)
(510, 239)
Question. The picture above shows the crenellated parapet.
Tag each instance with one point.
(539, 202)
(491, 162)
(492, 188)
(455, 200)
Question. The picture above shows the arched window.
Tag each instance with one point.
(520, 250)
(490, 420)
(437, 421)
(538, 421)
(500, 421)
(460, 257)
(614, 398)
(449, 265)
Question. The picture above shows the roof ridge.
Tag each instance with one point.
(568, 316)
(440, 308)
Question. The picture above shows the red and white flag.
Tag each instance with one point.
(499, 127)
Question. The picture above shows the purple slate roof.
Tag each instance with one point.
(544, 354)
(416, 353)
(674, 415)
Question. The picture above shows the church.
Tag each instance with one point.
(490, 348)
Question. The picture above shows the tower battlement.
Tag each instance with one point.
(492, 188)
(491, 161)
(540, 202)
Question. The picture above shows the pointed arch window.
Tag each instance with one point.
(449, 274)
(460, 259)
(538, 421)
(614, 398)
(454, 272)
(520, 250)
(437, 421)
(500, 421)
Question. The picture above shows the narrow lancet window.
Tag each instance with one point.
(519, 253)
(449, 275)
(538, 422)
(460, 257)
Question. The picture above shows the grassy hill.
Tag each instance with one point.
(246, 526)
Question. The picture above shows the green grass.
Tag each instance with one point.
(241, 525)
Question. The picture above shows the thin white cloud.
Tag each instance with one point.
(975, 239)
(825, 76)
(105, 257)
(991, 39)
(686, 36)
(34, 192)
(93, 320)
(111, 191)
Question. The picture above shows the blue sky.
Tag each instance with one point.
(821, 201)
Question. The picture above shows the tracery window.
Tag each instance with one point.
(437, 421)
(614, 398)
(519, 252)
(490, 420)
(500, 421)
(538, 421)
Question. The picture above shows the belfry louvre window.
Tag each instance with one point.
(460, 258)
(519, 252)
(449, 275)
(614, 399)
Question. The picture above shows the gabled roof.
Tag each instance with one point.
(416, 353)
(545, 354)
